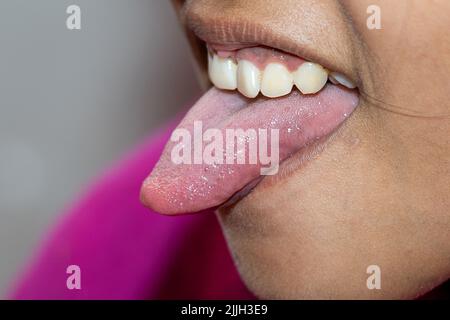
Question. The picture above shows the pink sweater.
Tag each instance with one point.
(126, 251)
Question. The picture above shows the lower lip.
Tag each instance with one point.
(301, 120)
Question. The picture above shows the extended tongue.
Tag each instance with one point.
(204, 164)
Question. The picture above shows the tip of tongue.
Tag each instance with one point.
(176, 188)
(169, 201)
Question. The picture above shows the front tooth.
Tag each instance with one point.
(223, 72)
(276, 81)
(310, 78)
(248, 79)
(336, 77)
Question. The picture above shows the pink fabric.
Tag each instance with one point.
(125, 251)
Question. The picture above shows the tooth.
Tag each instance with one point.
(332, 80)
(248, 79)
(223, 72)
(310, 78)
(276, 81)
(336, 77)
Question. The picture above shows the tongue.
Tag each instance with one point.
(194, 174)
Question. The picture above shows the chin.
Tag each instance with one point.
(296, 238)
(263, 233)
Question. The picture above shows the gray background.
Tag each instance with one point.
(71, 102)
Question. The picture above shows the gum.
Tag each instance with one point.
(262, 56)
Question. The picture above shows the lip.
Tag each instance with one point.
(167, 189)
(224, 30)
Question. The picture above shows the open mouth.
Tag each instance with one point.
(270, 103)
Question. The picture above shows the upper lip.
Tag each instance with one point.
(229, 32)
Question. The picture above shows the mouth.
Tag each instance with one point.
(268, 104)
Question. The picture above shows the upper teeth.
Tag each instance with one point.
(310, 77)
(341, 79)
(274, 81)
(222, 72)
(248, 79)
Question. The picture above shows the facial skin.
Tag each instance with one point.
(378, 191)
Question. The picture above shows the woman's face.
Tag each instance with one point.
(376, 191)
